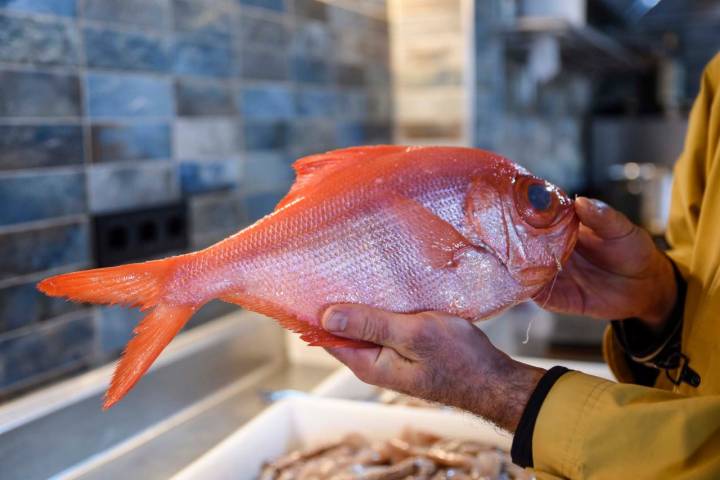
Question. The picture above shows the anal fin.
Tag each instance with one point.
(312, 334)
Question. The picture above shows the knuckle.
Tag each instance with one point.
(424, 338)
(374, 328)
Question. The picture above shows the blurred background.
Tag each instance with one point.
(133, 129)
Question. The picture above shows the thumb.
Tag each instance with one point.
(361, 322)
(606, 222)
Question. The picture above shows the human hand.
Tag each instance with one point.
(615, 272)
(434, 356)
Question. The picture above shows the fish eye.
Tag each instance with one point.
(537, 202)
(539, 197)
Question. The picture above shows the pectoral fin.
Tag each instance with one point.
(441, 243)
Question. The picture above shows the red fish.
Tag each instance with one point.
(406, 229)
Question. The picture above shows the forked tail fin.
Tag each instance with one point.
(133, 285)
(141, 285)
(152, 335)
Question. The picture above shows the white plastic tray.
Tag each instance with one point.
(300, 422)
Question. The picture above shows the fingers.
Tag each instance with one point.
(378, 366)
(606, 222)
(398, 331)
(430, 355)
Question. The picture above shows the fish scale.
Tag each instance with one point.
(406, 229)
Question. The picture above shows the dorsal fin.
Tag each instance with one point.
(312, 169)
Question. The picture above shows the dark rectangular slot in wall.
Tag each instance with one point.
(139, 234)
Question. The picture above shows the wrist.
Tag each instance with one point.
(504, 391)
(664, 288)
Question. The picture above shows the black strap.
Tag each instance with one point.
(521, 451)
(648, 352)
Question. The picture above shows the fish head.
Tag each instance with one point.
(528, 223)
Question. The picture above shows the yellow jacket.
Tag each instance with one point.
(592, 428)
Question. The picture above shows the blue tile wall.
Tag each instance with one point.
(313, 9)
(349, 75)
(33, 94)
(52, 347)
(203, 15)
(263, 33)
(208, 176)
(263, 65)
(313, 39)
(22, 305)
(267, 102)
(66, 8)
(111, 143)
(116, 95)
(350, 134)
(204, 53)
(275, 5)
(312, 135)
(261, 136)
(35, 196)
(152, 14)
(309, 70)
(41, 249)
(317, 102)
(115, 328)
(260, 204)
(29, 146)
(206, 138)
(108, 106)
(354, 104)
(105, 48)
(265, 171)
(216, 214)
(24, 40)
(151, 183)
(204, 98)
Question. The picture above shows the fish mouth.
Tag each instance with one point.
(535, 276)
(539, 275)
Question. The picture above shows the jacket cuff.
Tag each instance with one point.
(521, 450)
(646, 353)
(646, 347)
(564, 423)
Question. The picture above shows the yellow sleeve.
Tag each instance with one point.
(592, 428)
(687, 192)
(690, 172)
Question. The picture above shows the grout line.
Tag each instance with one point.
(42, 224)
(45, 169)
(45, 325)
(32, 121)
(16, 390)
(37, 276)
(85, 122)
(39, 16)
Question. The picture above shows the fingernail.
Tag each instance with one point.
(335, 322)
(598, 205)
